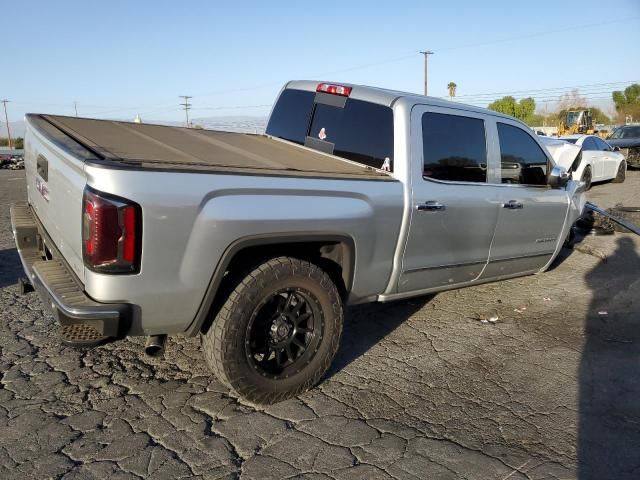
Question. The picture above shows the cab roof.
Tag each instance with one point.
(388, 97)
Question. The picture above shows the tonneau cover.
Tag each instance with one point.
(157, 147)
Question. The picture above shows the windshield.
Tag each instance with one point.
(626, 132)
(573, 118)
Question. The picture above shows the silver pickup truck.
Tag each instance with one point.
(257, 242)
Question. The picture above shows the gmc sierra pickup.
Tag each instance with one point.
(256, 242)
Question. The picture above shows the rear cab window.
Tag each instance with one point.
(352, 129)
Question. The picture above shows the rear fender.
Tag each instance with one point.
(267, 240)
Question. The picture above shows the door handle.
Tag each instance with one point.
(430, 206)
(513, 205)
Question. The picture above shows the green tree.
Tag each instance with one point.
(523, 110)
(452, 89)
(17, 142)
(628, 101)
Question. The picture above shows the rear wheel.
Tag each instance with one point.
(277, 333)
(586, 177)
(622, 173)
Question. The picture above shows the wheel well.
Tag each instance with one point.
(336, 257)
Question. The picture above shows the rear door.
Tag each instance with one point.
(592, 153)
(454, 209)
(531, 215)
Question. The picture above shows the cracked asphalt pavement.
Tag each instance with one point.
(421, 389)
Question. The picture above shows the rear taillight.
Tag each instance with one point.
(111, 233)
(334, 89)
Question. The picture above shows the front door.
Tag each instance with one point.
(454, 209)
(531, 215)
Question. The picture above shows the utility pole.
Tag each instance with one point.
(426, 54)
(7, 120)
(186, 106)
(75, 106)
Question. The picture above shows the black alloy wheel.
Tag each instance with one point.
(283, 333)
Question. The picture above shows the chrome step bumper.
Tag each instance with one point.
(60, 290)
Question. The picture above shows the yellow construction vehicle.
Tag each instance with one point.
(577, 121)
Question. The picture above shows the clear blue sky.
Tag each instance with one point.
(119, 58)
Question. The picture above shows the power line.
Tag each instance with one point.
(6, 117)
(590, 86)
(116, 109)
(186, 106)
(537, 34)
(484, 103)
(233, 107)
(543, 98)
(436, 50)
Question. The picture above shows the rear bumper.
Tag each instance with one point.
(84, 320)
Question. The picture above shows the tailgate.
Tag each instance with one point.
(54, 166)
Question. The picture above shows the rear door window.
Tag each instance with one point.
(601, 144)
(523, 161)
(589, 144)
(454, 148)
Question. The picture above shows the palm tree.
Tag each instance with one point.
(452, 89)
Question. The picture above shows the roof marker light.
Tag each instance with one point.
(334, 89)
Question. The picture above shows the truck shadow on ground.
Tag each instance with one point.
(366, 325)
(10, 267)
(609, 372)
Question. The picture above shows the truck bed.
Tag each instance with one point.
(115, 144)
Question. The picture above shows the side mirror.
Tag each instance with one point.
(616, 149)
(559, 177)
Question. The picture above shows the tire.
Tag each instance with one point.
(244, 346)
(586, 177)
(622, 173)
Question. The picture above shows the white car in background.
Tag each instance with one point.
(600, 161)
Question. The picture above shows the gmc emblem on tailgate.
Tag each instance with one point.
(42, 188)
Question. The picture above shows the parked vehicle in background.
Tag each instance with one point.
(627, 139)
(11, 162)
(256, 242)
(576, 121)
(600, 161)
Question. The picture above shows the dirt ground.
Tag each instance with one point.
(420, 389)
